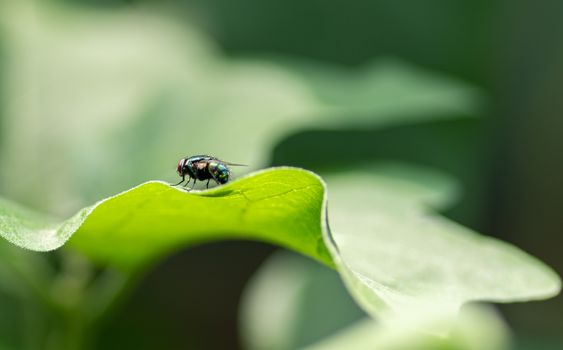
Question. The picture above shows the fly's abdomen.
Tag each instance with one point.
(219, 171)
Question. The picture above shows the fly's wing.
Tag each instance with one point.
(202, 164)
(232, 164)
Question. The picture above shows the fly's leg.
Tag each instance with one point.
(186, 184)
(207, 186)
(183, 179)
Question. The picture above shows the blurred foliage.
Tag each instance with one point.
(93, 98)
(155, 87)
(311, 303)
(422, 143)
(312, 307)
(474, 329)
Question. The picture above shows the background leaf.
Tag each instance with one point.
(409, 257)
(111, 97)
(477, 328)
(312, 311)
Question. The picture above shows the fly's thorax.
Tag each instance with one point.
(185, 168)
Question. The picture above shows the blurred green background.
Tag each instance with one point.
(87, 109)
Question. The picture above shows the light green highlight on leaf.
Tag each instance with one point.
(477, 328)
(128, 230)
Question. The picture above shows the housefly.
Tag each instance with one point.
(204, 167)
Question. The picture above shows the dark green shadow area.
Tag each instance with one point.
(456, 146)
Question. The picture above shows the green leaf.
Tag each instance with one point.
(388, 91)
(130, 229)
(392, 253)
(400, 257)
(477, 328)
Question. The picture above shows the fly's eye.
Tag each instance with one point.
(180, 166)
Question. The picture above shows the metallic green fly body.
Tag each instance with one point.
(204, 167)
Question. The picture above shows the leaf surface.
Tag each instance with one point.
(402, 257)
